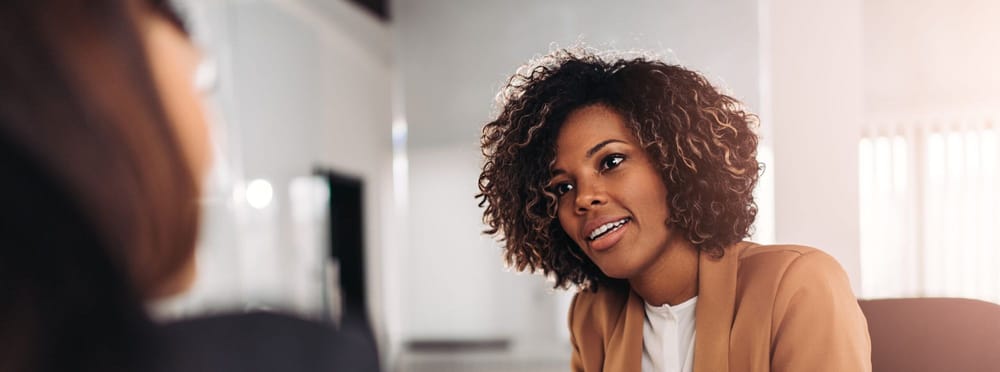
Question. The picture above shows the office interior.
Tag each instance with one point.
(347, 133)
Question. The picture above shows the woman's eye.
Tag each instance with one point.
(562, 188)
(612, 161)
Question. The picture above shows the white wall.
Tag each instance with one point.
(928, 55)
(453, 57)
(814, 54)
(453, 270)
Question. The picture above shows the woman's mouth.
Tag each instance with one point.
(607, 228)
(606, 235)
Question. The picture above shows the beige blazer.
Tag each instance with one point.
(760, 308)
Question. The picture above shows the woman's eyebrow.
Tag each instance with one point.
(590, 153)
(599, 146)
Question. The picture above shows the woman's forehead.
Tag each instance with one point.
(589, 126)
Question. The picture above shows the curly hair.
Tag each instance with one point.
(702, 141)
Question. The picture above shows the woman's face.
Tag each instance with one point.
(612, 201)
(173, 62)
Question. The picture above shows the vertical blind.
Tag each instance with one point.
(930, 224)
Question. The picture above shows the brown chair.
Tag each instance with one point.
(933, 334)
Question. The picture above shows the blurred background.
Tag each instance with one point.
(346, 136)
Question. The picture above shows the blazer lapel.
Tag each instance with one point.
(624, 348)
(715, 309)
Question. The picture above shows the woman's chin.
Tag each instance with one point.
(617, 271)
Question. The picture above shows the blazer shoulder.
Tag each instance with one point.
(785, 255)
(786, 267)
(774, 250)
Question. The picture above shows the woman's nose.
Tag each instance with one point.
(590, 196)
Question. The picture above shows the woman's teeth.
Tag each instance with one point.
(606, 228)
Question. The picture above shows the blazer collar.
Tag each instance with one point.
(713, 318)
(716, 308)
(624, 347)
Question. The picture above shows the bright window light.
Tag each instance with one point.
(929, 220)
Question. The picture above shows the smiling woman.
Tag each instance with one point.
(610, 193)
(632, 179)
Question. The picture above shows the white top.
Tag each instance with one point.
(668, 337)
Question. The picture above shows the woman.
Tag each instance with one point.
(632, 179)
(103, 157)
(103, 147)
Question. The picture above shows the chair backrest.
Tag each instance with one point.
(933, 334)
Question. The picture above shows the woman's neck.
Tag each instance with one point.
(672, 278)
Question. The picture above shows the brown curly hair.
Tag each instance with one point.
(702, 140)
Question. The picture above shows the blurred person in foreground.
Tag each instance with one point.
(633, 180)
(103, 150)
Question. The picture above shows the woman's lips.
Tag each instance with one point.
(610, 238)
